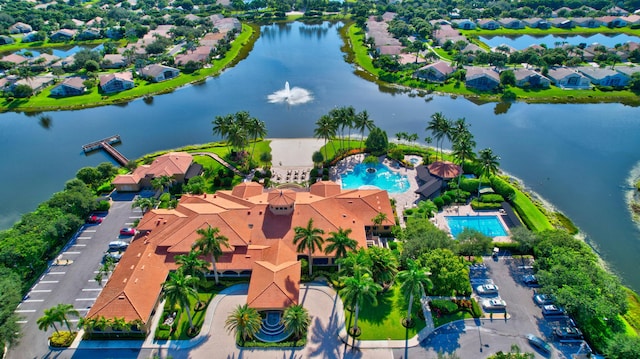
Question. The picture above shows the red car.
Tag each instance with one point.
(94, 219)
(128, 231)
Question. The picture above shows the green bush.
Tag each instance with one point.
(446, 306)
(313, 173)
(62, 339)
(491, 198)
(103, 206)
(447, 200)
(162, 334)
(439, 202)
(106, 187)
(458, 196)
(408, 212)
(397, 154)
(512, 247)
(484, 206)
(475, 309)
(502, 187)
(393, 245)
(469, 184)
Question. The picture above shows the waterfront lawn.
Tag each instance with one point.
(531, 215)
(384, 321)
(361, 52)
(632, 317)
(333, 147)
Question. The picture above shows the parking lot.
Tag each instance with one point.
(70, 279)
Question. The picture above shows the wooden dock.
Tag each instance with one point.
(106, 144)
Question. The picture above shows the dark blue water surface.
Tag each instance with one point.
(576, 156)
(520, 42)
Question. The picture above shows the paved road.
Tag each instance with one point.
(72, 283)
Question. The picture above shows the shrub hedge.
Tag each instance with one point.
(502, 187)
(491, 198)
(485, 206)
(469, 184)
(439, 202)
(62, 339)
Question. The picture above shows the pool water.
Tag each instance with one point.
(490, 226)
(382, 178)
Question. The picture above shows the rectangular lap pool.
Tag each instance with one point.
(488, 225)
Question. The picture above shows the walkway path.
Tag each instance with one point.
(219, 159)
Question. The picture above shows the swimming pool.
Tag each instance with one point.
(381, 178)
(488, 225)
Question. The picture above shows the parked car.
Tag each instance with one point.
(116, 255)
(568, 333)
(539, 343)
(94, 219)
(128, 231)
(487, 289)
(530, 280)
(493, 304)
(542, 299)
(552, 310)
(118, 245)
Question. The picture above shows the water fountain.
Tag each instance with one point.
(291, 96)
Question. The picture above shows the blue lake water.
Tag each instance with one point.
(61, 52)
(577, 156)
(490, 226)
(523, 41)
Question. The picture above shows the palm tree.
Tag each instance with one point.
(340, 243)
(101, 323)
(378, 219)
(459, 127)
(210, 243)
(191, 264)
(363, 122)
(488, 164)
(161, 182)
(463, 146)
(308, 238)
(48, 320)
(326, 129)
(63, 311)
(88, 324)
(237, 136)
(413, 282)
(439, 127)
(296, 320)
(178, 289)
(221, 126)
(245, 321)
(144, 203)
(356, 289)
(384, 265)
(118, 323)
(355, 262)
(256, 129)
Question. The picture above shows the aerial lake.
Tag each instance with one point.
(521, 42)
(576, 156)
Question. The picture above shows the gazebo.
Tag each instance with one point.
(444, 169)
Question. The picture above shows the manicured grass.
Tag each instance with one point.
(333, 146)
(442, 320)
(197, 317)
(384, 321)
(355, 35)
(632, 317)
(43, 101)
(533, 217)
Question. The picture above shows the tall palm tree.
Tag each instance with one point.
(296, 320)
(488, 164)
(221, 125)
(384, 265)
(63, 311)
(459, 127)
(349, 122)
(245, 321)
(340, 243)
(363, 122)
(191, 264)
(210, 243)
(256, 129)
(48, 320)
(161, 182)
(144, 203)
(463, 146)
(355, 262)
(413, 282)
(308, 238)
(356, 289)
(237, 136)
(379, 219)
(178, 289)
(440, 128)
(326, 129)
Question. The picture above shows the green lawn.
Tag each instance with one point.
(440, 321)
(333, 146)
(197, 317)
(533, 217)
(384, 321)
(360, 51)
(632, 317)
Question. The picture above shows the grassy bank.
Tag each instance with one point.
(43, 102)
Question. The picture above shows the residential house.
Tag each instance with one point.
(113, 61)
(587, 22)
(561, 22)
(211, 39)
(37, 83)
(632, 19)
(537, 23)
(604, 76)
(5, 40)
(15, 59)
(488, 24)
(617, 11)
(445, 33)
(176, 165)
(116, 82)
(32, 36)
(259, 225)
(627, 70)
(560, 12)
(436, 72)
(192, 17)
(43, 61)
(511, 23)
(391, 50)
(20, 28)
(77, 23)
(158, 73)
(63, 35)
(228, 24)
(200, 54)
(465, 24)
(566, 78)
(481, 78)
(89, 34)
(530, 78)
(612, 21)
(71, 86)
(96, 21)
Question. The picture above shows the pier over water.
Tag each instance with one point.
(106, 144)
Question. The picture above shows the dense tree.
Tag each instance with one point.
(525, 238)
(10, 297)
(377, 142)
(507, 77)
(449, 272)
(308, 238)
(623, 346)
(471, 242)
(420, 237)
(244, 321)
(384, 265)
(210, 243)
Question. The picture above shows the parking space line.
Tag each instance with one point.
(128, 224)
(33, 301)
(25, 311)
(92, 289)
(136, 217)
(49, 281)
(56, 273)
(84, 237)
(78, 245)
(73, 320)
(72, 252)
(85, 299)
(41, 291)
(90, 231)
(22, 321)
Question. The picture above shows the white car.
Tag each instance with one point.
(487, 289)
(118, 245)
(492, 304)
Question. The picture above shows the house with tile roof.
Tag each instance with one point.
(176, 165)
(116, 82)
(260, 226)
(158, 73)
(436, 72)
(71, 86)
(530, 78)
(566, 78)
(604, 76)
(481, 78)
(20, 28)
